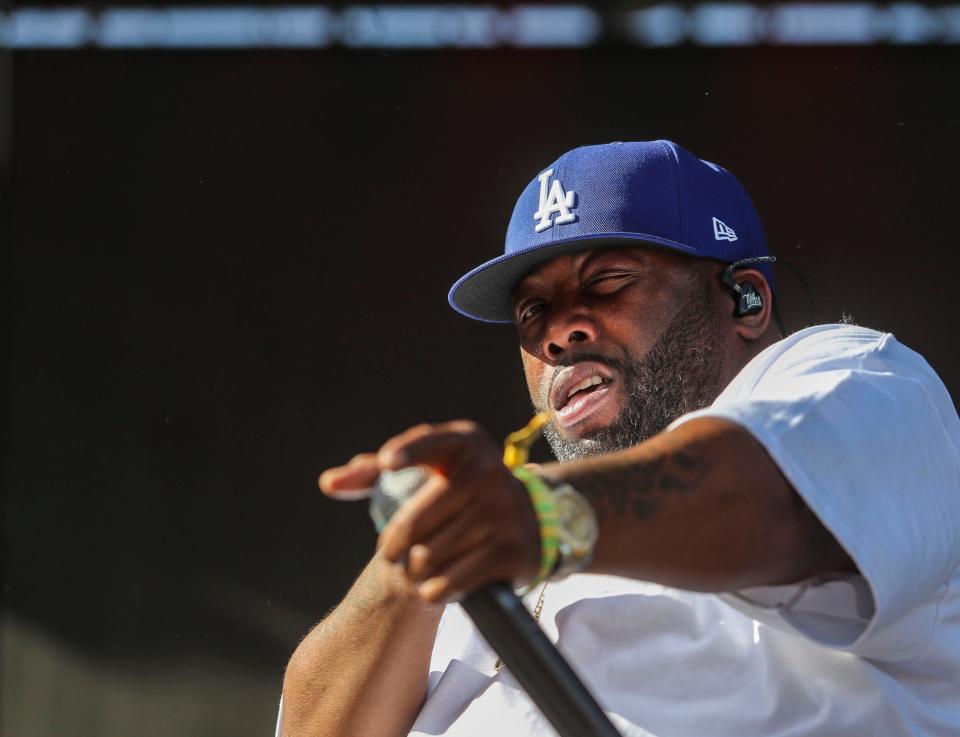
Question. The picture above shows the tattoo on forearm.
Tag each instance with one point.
(637, 487)
(361, 601)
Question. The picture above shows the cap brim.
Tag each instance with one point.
(484, 293)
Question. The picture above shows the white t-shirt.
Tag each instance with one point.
(869, 437)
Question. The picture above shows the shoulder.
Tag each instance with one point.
(835, 351)
(846, 368)
(837, 344)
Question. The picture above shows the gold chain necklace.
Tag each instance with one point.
(537, 611)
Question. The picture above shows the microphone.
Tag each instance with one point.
(511, 631)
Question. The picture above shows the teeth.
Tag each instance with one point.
(585, 384)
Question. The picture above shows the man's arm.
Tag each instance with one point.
(703, 507)
(363, 670)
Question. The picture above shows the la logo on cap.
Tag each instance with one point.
(722, 231)
(556, 202)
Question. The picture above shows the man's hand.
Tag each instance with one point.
(471, 522)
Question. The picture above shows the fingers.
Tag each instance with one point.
(449, 542)
(443, 447)
(471, 522)
(353, 480)
(464, 575)
(451, 520)
(431, 507)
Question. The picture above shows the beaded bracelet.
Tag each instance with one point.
(542, 499)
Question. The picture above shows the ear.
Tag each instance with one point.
(752, 327)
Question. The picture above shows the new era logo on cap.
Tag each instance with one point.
(722, 231)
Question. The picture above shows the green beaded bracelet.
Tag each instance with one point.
(542, 499)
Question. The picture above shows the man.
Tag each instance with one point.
(777, 519)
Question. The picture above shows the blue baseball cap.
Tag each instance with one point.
(617, 194)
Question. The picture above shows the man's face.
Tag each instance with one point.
(619, 343)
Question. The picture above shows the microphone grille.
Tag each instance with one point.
(392, 489)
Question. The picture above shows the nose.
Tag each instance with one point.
(566, 330)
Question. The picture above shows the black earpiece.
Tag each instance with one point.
(746, 297)
(749, 302)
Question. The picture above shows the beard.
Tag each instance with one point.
(681, 373)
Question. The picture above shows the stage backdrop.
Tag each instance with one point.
(228, 271)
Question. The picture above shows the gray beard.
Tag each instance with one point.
(681, 373)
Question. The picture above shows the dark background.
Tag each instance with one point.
(228, 270)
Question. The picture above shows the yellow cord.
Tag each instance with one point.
(516, 453)
(516, 448)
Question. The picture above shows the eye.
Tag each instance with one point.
(528, 310)
(607, 281)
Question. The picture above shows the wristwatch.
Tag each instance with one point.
(576, 530)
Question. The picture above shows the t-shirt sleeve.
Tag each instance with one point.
(868, 436)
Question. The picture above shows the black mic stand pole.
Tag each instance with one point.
(538, 666)
(512, 632)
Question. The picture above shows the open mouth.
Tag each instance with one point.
(580, 394)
